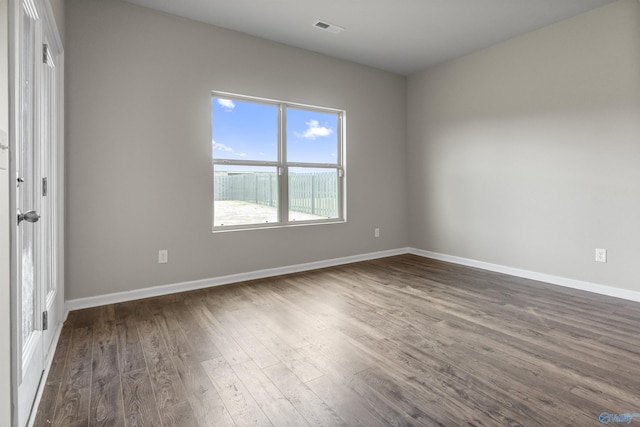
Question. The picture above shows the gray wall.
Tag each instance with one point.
(524, 154)
(527, 154)
(139, 145)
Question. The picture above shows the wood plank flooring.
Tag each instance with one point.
(401, 341)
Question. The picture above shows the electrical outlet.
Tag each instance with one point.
(376, 232)
(163, 256)
(601, 255)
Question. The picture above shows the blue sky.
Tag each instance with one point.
(249, 131)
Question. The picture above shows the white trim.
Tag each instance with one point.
(45, 375)
(80, 303)
(50, 24)
(154, 291)
(526, 274)
(283, 165)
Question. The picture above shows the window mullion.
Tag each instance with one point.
(245, 163)
(341, 173)
(283, 172)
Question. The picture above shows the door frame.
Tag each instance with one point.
(56, 176)
(5, 282)
(55, 179)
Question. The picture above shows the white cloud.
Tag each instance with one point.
(314, 130)
(221, 147)
(227, 104)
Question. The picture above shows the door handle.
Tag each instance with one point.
(29, 216)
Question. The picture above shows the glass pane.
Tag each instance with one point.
(27, 283)
(244, 130)
(47, 140)
(25, 191)
(313, 194)
(312, 136)
(244, 195)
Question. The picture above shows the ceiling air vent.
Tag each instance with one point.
(335, 29)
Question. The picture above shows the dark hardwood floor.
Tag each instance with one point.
(401, 341)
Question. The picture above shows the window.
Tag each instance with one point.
(275, 163)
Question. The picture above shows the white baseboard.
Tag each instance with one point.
(76, 304)
(526, 274)
(112, 298)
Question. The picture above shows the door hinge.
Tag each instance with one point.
(45, 320)
(45, 187)
(47, 57)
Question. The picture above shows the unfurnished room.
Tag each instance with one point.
(319, 213)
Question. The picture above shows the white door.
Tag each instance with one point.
(27, 203)
(36, 223)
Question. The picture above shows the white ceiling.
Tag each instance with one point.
(401, 36)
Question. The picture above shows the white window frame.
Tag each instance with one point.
(282, 165)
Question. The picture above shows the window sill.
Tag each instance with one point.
(276, 225)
